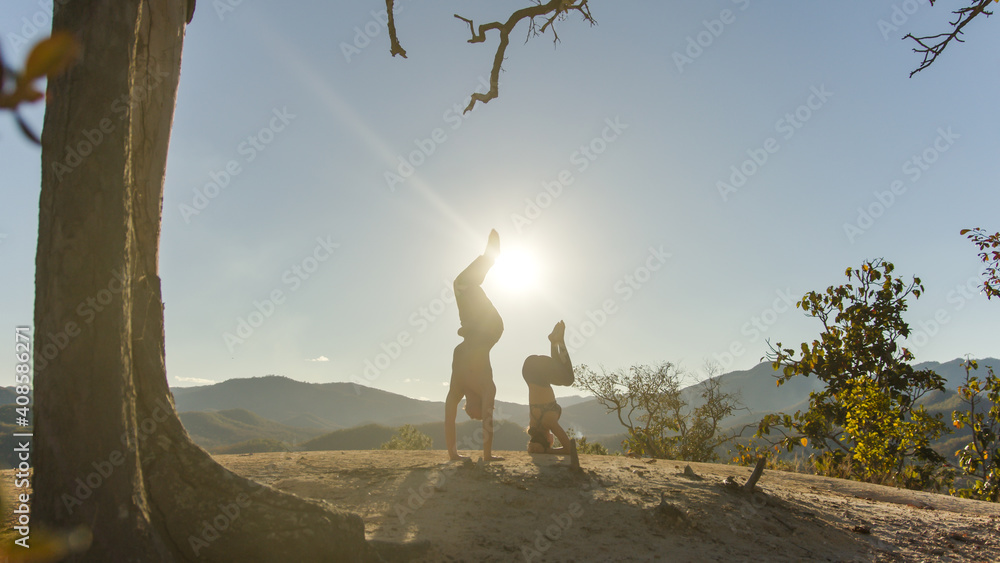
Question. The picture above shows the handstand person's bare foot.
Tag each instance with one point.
(558, 334)
(493, 245)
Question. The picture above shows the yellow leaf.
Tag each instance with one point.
(805, 441)
(50, 56)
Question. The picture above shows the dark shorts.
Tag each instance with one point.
(539, 434)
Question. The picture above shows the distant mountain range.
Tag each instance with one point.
(326, 406)
(273, 412)
(223, 428)
(7, 395)
(760, 394)
(366, 417)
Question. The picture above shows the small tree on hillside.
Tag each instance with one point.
(867, 415)
(649, 403)
(408, 438)
(981, 458)
(585, 447)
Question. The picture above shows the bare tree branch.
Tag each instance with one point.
(933, 45)
(394, 47)
(554, 9)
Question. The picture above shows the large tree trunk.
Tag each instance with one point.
(110, 451)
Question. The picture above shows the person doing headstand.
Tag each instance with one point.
(541, 373)
(471, 372)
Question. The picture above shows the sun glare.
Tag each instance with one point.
(515, 270)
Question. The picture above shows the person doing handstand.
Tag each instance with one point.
(471, 372)
(541, 373)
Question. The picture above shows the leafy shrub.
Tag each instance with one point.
(408, 438)
(980, 459)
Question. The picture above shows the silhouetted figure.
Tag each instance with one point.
(471, 372)
(541, 373)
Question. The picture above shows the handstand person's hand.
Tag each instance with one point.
(457, 457)
(493, 245)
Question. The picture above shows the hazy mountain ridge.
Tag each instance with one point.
(363, 418)
(8, 427)
(221, 428)
(761, 395)
(7, 395)
(264, 412)
(338, 405)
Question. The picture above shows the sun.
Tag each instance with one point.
(516, 269)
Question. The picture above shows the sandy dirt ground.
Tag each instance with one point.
(536, 508)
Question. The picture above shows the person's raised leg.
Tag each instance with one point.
(475, 273)
(492, 245)
(479, 318)
(557, 340)
(558, 334)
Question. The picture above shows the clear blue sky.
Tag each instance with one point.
(684, 268)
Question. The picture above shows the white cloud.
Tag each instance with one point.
(319, 359)
(195, 380)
